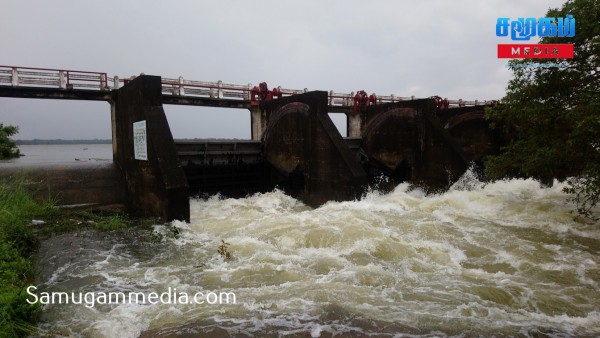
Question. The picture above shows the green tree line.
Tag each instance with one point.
(551, 115)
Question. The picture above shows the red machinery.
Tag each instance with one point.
(441, 103)
(262, 93)
(372, 99)
(362, 100)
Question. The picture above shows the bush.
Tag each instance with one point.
(8, 148)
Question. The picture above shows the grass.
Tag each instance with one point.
(19, 240)
(17, 245)
(74, 220)
(171, 232)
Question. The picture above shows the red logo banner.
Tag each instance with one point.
(535, 51)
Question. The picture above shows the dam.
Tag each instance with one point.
(295, 146)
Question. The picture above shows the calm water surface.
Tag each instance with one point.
(49, 154)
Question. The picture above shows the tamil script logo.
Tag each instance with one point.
(523, 29)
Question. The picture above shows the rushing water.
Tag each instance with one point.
(507, 258)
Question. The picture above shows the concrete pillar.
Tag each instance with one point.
(156, 182)
(353, 124)
(256, 123)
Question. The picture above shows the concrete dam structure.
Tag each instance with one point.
(295, 147)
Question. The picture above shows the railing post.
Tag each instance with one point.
(103, 81)
(15, 77)
(349, 99)
(306, 90)
(412, 97)
(220, 90)
(116, 82)
(181, 87)
(331, 97)
(393, 97)
(476, 102)
(62, 81)
(249, 92)
(460, 103)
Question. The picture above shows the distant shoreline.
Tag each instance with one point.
(108, 141)
(61, 141)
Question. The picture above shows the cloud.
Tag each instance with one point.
(423, 48)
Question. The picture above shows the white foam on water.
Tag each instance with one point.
(492, 257)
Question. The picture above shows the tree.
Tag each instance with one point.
(8, 148)
(551, 115)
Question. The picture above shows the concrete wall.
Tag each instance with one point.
(96, 185)
(156, 186)
(406, 140)
(307, 154)
(470, 130)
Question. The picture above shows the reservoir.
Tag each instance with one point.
(49, 154)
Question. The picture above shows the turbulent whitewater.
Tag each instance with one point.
(507, 258)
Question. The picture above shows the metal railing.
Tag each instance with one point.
(214, 90)
(53, 78)
(71, 79)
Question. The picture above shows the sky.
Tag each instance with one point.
(421, 48)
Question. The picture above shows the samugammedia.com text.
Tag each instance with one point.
(90, 299)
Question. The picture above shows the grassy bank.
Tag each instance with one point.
(17, 245)
(19, 240)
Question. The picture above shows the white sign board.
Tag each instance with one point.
(140, 144)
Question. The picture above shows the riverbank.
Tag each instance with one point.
(23, 223)
(17, 243)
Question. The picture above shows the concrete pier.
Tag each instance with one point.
(307, 154)
(353, 125)
(155, 180)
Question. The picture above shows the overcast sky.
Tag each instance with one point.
(421, 48)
